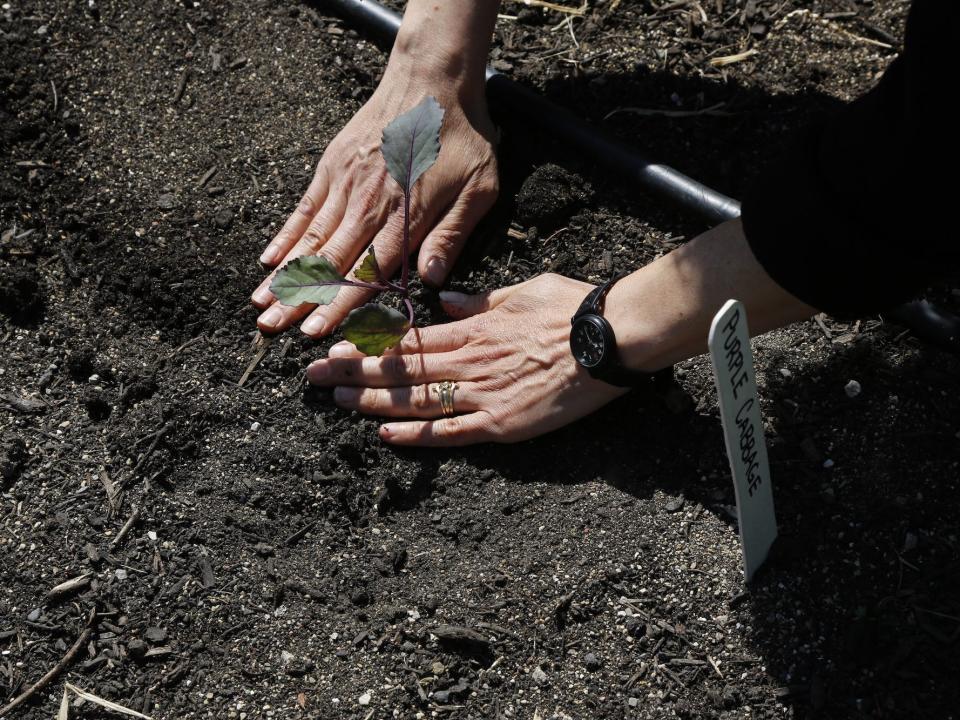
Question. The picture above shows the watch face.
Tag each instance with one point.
(587, 341)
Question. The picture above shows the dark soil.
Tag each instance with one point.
(281, 561)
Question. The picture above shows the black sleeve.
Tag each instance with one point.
(851, 219)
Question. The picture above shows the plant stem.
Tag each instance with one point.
(379, 287)
(406, 241)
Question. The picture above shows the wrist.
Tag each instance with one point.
(445, 46)
(647, 335)
(416, 65)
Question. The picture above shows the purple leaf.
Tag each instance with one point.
(374, 327)
(411, 142)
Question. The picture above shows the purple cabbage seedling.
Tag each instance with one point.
(410, 145)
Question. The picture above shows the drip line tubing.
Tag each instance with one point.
(925, 320)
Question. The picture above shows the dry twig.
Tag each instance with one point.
(264, 345)
(555, 7)
(54, 671)
(731, 59)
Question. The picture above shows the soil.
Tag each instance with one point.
(280, 561)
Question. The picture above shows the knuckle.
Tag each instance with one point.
(487, 187)
(395, 366)
(313, 239)
(420, 398)
(372, 400)
(334, 253)
(307, 206)
(366, 201)
(451, 427)
(445, 240)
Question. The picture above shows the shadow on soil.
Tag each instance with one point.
(892, 627)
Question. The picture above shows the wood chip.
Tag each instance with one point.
(462, 636)
(731, 59)
(68, 587)
(31, 406)
(96, 700)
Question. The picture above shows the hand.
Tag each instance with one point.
(509, 355)
(352, 201)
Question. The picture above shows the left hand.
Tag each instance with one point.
(509, 355)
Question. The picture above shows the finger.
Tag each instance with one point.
(442, 245)
(384, 371)
(322, 225)
(279, 317)
(342, 250)
(432, 339)
(460, 305)
(325, 318)
(414, 401)
(449, 432)
(295, 225)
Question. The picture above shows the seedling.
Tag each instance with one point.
(410, 145)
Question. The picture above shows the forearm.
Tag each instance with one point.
(446, 41)
(661, 314)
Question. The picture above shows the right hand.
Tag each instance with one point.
(352, 201)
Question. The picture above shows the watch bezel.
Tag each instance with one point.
(599, 322)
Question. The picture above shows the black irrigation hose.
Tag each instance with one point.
(926, 321)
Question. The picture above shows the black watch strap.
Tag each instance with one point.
(614, 372)
(593, 303)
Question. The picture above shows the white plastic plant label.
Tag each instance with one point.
(729, 343)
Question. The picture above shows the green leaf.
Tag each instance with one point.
(369, 270)
(308, 279)
(411, 142)
(374, 327)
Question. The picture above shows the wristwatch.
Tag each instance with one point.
(594, 345)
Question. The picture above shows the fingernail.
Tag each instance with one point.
(314, 325)
(345, 395)
(271, 318)
(435, 272)
(453, 298)
(270, 255)
(341, 349)
(261, 296)
(318, 372)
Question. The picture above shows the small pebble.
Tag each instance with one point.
(224, 218)
(786, 373)
(539, 676)
(852, 389)
(591, 662)
(364, 699)
(674, 505)
(34, 615)
(137, 648)
(255, 426)
(120, 574)
(155, 634)
(828, 463)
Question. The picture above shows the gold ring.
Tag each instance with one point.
(445, 391)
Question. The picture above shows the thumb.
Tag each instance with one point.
(443, 244)
(459, 305)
